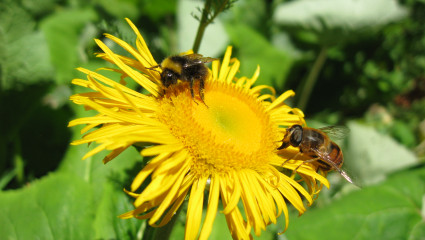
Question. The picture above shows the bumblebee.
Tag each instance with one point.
(188, 68)
(316, 144)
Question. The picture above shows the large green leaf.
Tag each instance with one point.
(371, 155)
(391, 210)
(112, 203)
(63, 30)
(63, 206)
(56, 207)
(335, 21)
(24, 57)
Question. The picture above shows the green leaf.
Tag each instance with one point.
(23, 58)
(391, 210)
(159, 8)
(62, 30)
(371, 155)
(254, 50)
(121, 9)
(253, 13)
(335, 21)
(56, 207)
(220, 228)
(39, 7)
(112, 203)
(418, 231)
(108, 181)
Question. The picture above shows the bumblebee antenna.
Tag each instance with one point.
(153, 68)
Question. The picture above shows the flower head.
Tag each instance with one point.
(226, 147)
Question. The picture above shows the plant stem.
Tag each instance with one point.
(203, 23)
(312, 77)
(161, 233)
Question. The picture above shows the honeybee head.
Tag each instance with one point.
(295, 134)
(293, 137)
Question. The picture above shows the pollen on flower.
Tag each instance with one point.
(231, 131)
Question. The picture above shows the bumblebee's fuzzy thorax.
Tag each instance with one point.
(171, 64)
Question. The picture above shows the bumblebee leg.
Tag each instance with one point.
(191, 89)
(166, 83)
(201, 91)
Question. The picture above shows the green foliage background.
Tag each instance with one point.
(366, 59)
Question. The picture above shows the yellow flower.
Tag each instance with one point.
(226, 148)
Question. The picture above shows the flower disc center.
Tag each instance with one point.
(231, 130)
(231, 120)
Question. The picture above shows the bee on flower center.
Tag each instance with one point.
(187, 68)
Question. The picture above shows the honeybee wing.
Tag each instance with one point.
(335, 132)
(198, 59)
(324, 157)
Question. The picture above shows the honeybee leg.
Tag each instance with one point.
(292, 158)
(306, 161)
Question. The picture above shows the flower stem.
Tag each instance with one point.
(209, 13)
(312, 77)
(203, 23)
(161, 233)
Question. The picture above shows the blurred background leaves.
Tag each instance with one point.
(355, 63)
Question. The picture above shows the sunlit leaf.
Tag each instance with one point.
(24, 56)
(391, 210)
(55, 207)
(62, 30)
(371, 155)
(112, 203)
(335, 21)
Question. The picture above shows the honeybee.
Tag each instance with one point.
(316, 144)
(189, 68)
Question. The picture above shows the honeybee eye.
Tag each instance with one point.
(296, 135)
